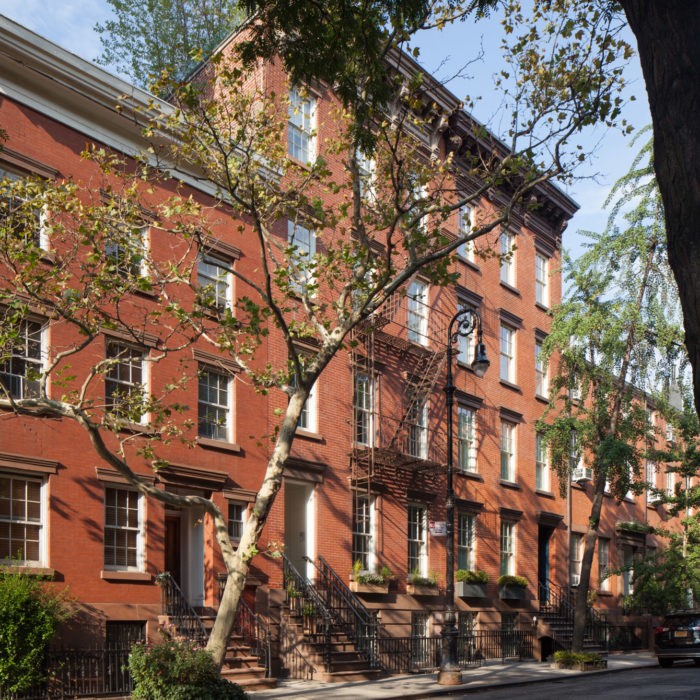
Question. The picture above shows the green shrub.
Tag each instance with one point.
(468, 576)
(574, 658)
(508, 580)
(178, 670)
(418, 579)
(30, 614)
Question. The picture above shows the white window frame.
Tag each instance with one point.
(465, 225)
(542, 469)
(507, 267)
(417, 539)
(225, 408)
(603, 564)
(217, 281)
(508, 447)
(507, 353)
(541, 372)
(507, 547)
(466, 541)
(239, 509)
(466, 439)
(40, 236)
(367, 175)
(364, 527)
(363, 402)
(418, 430)
(417, 312)
(301, 259)
(117, 251)
(127, 362)
(24, 520)
(308, 418)
(542, 279)
(670, 484)
(121, 528)
(466, 344)
(301, 126)
(26, 356)
(575, 558)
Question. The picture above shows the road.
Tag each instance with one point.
(682, 682)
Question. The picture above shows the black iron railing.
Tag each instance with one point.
(182, 615)
(252, 629)
(348, 612)
(77, 673)
(304, 602)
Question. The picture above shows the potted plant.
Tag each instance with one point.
(512, 587)
(417, 584)
(364, 581)
(470, 584)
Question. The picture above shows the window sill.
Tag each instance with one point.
(511, 386)
(542, 399)
(465, 365)
(138, 576)
(510, 288)
(474, 476)
(542, 307)
(31, 570)
(510, 484)
(545, 494)
(608, 594)
(222, 445)
(309, 435)
(469, 263)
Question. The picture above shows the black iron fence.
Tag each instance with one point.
(78, 673)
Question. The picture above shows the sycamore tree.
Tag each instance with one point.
(618, 337)
(376, 201)
(669, 578)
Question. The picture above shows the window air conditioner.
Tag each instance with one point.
(654, 498)
(581, 474)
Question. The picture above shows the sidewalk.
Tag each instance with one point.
(425, 685)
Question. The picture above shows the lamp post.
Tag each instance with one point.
(462, 324)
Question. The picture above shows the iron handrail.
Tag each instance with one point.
(176, 606)
(361, 625)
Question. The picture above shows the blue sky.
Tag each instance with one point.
(71, 25)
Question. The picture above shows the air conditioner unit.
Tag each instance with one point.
(581, 474)
(654, 498)
(575, 579)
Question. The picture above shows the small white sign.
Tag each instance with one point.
(438, 528)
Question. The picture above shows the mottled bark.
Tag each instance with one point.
(669, 50)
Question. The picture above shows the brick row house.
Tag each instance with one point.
(365, 481)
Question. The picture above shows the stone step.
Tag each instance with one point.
(348, 676)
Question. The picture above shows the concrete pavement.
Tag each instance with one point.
(490, 675)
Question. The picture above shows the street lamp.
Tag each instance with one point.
(463, 324)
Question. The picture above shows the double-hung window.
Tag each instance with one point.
(466, 538)
(507, 250)
(541, 280)
(301, 131)
(670, 484)
(302, 244)
(236, 520)
(603, 564)
(507, 548)
(418, 429)
(466, 344)
(366, 174)
(575, 552)
(125, 381)
(418, 312)
(308, 418)
(541, 463)
(21, 520)
(363, 527)
(507, 354)
(123, 535)
(363, 404)
(214, 404)
(23, 361)
(507, 451)
(215, 281)
(417, 540)
(24, 219)
(541, 372)
(464, 228)
(466, 439)
(125, 250)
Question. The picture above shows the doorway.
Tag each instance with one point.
(184, 552)
(544, 536)
(299, 526)
(173, 563)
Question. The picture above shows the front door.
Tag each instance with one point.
(184, 552)
(172, 548)
(299, 526)
(544, 535)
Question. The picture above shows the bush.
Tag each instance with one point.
(467, 576)
(178, 670)
(30, 615)
(574, 658)
(508, 580)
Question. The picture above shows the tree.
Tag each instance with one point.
(378, 225)
(670, 579)
(617, 337)
(146, 38)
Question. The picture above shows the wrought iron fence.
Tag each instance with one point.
(78, 673)
(628, 637)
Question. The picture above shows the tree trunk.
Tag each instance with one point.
(669, 50)
(584, 584)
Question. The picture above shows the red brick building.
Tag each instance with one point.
(366, 479)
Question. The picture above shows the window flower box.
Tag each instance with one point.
(418, 589)
(512, 587)
(377, 588)
(470, 590)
